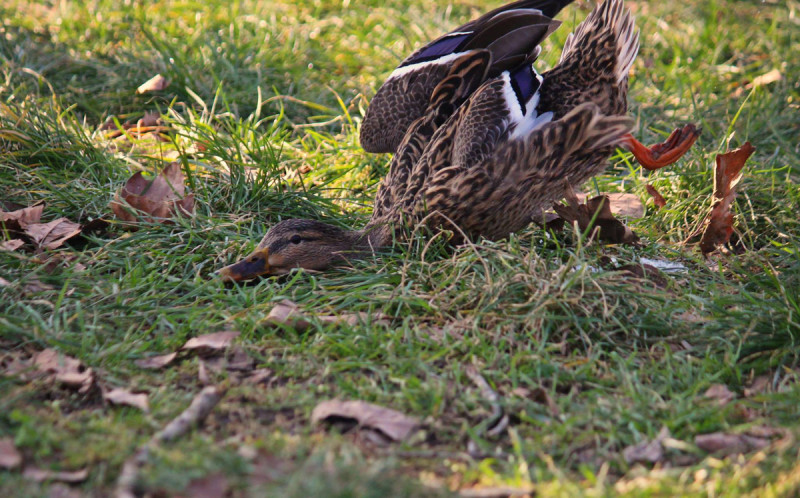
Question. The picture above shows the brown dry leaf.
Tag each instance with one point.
(720, 393)
(259, 376)
(610, 229)
(210, 343)
(52, 262)
(156, 362)
(53, 234)
(719, 222)
(538, 395)
(163, 197)
(66, 370)
(647, 451)
(658, 199)
(41, 475)
(645, 272)
(11, 245)
(10, 458)
(286, 313)
(760, 385)
(154, 84)
(124, 397)
(20, 217)
(622, 204)
(766, 78)
(723, 444)
(391, 423)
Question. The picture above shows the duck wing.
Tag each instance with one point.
(465, 74)
(521, 176)
(511, 34)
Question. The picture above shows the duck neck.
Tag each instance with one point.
(371, 237)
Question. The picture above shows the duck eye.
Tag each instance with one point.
(296, 239)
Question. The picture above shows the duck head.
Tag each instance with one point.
(295, 243)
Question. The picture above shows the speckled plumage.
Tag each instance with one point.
(510, 33)
(490, 146)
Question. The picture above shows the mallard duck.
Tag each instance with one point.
(494, 142)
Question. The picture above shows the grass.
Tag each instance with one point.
(275, 92)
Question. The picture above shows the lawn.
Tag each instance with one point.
(262, 111)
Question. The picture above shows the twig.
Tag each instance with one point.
(498, 421)
(201, 406)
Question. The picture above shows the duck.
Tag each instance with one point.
(481, 140)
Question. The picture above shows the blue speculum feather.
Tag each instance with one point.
(524, 83)
(447, 45)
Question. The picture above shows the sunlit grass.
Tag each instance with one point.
(263, 108)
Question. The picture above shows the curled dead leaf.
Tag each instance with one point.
(658, 199)
(161, 198)
(391, 423)
(210, 343)
(727, 174)
(620, 203)
(65, 369)
(154, 84)
(647, 451)
(53, 234)
(720, 393)
(21, 217)
(156, 362)
(11, 245)
(124, 397)
(604, 224)
(287, 313)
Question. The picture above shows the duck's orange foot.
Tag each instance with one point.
(663, 154)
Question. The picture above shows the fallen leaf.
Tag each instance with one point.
(124, 397)
(156, 362)
(258, 376)
(11, 245)
(647, 451)
(719, 222)
(645, 272)
(391, 423)
(622, 204)
(760, 385)
(4, 282)
(41, 475)
(154, 84)
(288, 314)
(10, 458)
(210, 343)
(721, 443)
(658, 199)
(720, 393)
(53, 234)
(161, 198)
(24, 216)
(766, 78)
(66, 370)
(608, 228)
(538, 395)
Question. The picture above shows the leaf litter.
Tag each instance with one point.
(162, 198)
(718, 225)
(596, 217)
(392, 424)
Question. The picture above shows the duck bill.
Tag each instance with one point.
(254, 265)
